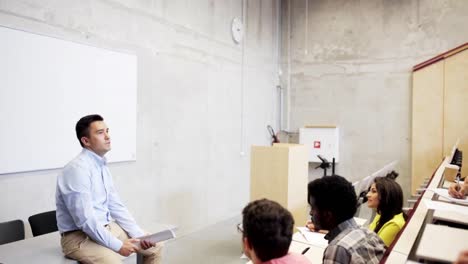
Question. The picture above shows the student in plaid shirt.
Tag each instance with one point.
(333, 204)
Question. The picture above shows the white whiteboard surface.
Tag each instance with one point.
(46, 85)
(321, 141)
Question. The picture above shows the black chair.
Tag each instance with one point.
(11, 231)
(43, 223)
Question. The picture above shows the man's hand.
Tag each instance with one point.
(129, 247)
(457, 190)
(145, 244)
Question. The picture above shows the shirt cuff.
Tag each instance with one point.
(115, 244)
(136, 233)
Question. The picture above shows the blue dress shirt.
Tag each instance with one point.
(86, 200)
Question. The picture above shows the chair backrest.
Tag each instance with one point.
(43, 223)
(11, 231)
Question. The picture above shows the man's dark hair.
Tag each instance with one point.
(335, 194)
(268, 227)
(82, 126)
(390, 200)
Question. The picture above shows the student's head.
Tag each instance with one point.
(332, 200)
(267, 230)
(386, 196)
(93, 134)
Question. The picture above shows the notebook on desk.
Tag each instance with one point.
(444, 193)
(448, 212)
(308, 237)
(304, 235)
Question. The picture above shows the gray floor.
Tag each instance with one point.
(216, 244)
(219, 243)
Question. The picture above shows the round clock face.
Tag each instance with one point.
(237, 30)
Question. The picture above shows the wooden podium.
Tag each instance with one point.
(280, 173)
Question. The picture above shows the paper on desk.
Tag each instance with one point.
(436, 205)
(309, 237)
(444, 193)
(315, 238)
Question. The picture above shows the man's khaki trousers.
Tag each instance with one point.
(77, 245)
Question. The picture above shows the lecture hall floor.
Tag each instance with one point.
(216, 244)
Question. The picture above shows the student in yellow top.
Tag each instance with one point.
(386, 197)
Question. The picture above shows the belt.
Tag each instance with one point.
(71, 231)
(67, 232)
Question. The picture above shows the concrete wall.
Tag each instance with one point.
(202, 101)
(348, 63)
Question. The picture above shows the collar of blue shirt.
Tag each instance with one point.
(100, 160)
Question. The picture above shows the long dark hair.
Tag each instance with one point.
(390, 200)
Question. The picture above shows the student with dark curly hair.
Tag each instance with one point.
(267, 230)
(386, 197)
(333, 204)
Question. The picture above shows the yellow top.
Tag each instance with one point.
(390, 229)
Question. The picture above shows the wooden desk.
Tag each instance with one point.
(402, 248)
(315, 239)
(316, 242)
(46, 249)
(455, 241)
(415, 240)
(453, 217)
(314, 254)
(41, 250)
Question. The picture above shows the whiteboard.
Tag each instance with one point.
(320, 140)
(47, 85)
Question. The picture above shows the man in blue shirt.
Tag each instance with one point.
(95, 225)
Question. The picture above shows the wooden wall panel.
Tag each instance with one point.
(427, 122)
(456, 105)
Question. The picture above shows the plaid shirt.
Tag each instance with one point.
(348, 243)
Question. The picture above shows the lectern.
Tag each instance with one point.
(280, 173)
